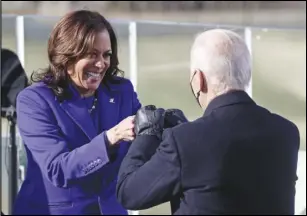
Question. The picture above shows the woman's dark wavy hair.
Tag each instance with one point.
(72, 39)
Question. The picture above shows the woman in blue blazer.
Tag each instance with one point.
(76, 121)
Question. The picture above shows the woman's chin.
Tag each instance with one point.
(93, 84)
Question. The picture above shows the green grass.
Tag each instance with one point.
(279, 74)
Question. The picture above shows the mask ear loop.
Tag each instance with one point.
(197, 98)
(198, 93)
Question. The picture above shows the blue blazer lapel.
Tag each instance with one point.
(77, 110)
(109, 100)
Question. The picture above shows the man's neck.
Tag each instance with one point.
(211, 95)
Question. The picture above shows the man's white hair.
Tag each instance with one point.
(224, 58)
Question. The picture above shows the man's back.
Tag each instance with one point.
(237, 159)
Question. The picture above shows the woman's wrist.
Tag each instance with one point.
(112, 135)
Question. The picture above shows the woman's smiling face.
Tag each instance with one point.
(88, 72)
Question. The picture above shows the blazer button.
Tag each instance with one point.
(85, 171)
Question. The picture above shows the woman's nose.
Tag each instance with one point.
(100, 63)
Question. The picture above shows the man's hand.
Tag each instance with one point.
(173, 117)
(149, 121)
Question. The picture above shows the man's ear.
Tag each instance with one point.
(202, 80)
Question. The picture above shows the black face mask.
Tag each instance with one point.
(198, 93)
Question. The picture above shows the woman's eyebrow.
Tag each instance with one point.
(107, 51)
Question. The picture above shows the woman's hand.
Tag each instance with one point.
(123, 131)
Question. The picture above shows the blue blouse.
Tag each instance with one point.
(94, 114)
(95, 118)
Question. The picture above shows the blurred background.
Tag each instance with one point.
(154, 47)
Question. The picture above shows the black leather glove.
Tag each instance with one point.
(149, 121)
(173, 117)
